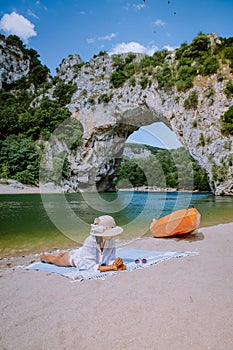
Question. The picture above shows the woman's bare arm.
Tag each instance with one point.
(104, 268)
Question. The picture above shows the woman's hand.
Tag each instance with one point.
(122, 267)
(117, 265)
(118, 262)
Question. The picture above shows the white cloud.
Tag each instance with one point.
(32, 14)
(169, 48)
(101, 38)
(133, 47)
(39, 4)
(17, 25)
(150, 50)
(159, 23)
(90, 40)
(136, 7)
(107, 37)
(139, 6)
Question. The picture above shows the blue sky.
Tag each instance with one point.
(56, 28)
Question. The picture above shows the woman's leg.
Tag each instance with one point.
(62, 259)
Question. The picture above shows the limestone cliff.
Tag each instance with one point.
(110, 120)
(110, 113)
(13, 63)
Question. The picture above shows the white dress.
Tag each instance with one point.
(90, 257)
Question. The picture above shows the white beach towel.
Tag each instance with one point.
(129, 256)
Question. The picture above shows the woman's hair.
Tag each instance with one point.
(99, 239)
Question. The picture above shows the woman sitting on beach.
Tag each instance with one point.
(98, 252)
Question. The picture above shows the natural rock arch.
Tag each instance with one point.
(107, 127)
(108, 124)
(105, 133)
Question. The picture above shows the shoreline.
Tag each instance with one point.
(25, 258)
(13, 187)
(181, 303)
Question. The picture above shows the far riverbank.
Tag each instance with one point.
(14, 187)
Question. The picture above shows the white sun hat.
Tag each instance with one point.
(105, 226)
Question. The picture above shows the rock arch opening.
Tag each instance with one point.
(156, 134)
(105, 134)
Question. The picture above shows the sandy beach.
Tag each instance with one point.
(183, 303)
(17, 188)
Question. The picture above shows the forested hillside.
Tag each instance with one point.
(26, 121)
(162, 169)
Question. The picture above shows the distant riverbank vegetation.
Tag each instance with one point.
(162, 169)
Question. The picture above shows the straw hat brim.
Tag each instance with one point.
(111, 232)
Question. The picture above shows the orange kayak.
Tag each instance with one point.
(177, 223)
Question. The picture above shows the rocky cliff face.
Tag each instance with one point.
(109, 115)
(13, 64)
(127, 108)
(136, 152)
